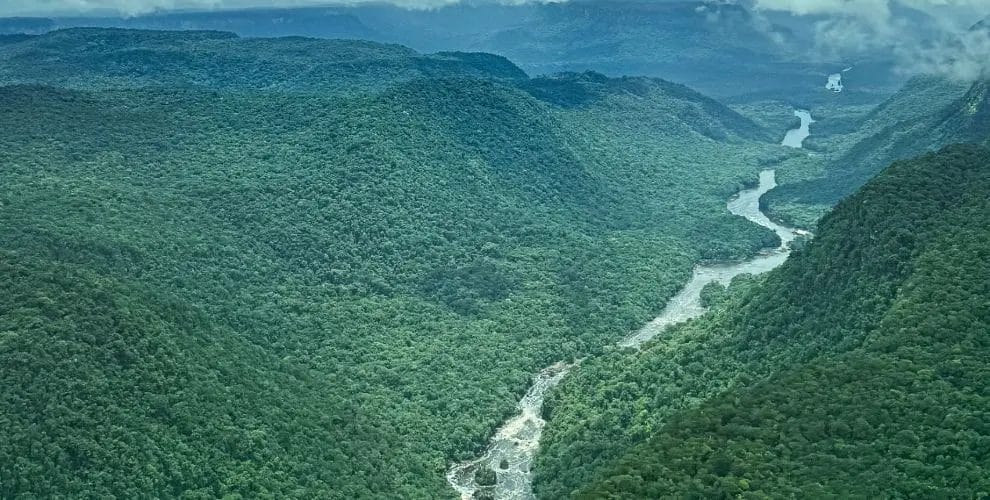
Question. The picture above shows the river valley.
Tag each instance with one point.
(511, 451)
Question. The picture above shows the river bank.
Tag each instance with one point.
(511, 451)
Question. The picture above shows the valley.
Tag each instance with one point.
(510, 454)
(795, 138)
(323, 275)
(797, 395)
(485, 250)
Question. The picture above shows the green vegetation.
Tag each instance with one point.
(720, 49)
(857, 369)
(91, 58)
(486, 477)
(927, 114)
(291, 268)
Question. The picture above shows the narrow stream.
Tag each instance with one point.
(514, 445)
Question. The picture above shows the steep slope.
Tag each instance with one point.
(854, 370)
(703, 114)
(329, 294)
(927, 114)
(969, 121)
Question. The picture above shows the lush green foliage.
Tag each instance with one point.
(927, 114)
(857, 369)
(233, 287)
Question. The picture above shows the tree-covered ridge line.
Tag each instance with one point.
(927, 114)
(572, 90)
(384, 267)
(717, 49)
(114, 58)
(835, 375)
(93, 58)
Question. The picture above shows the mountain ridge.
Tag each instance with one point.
(930, 112)
(860, 414)
(122, 57)
(543, 38)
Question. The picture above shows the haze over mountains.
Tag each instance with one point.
(612, 36)
(721, 49)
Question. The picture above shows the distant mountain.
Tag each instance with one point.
(720, 48)
(100, 58)
(703, 45)
(310, 22)
(26, 25)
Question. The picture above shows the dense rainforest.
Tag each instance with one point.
(855, 370)
(299, 268)
(925, 115)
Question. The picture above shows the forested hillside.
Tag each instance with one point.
(855, 370)
(91, 58)
(927, 114)
(227, 276)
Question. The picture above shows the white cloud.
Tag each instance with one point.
(136, 7)
(805, 7)
(926, 36)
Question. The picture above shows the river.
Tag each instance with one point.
(795, 138)
(511, 451)
(687, 303)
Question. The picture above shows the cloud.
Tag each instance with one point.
(137, 7)
(806, 7)
(965, 57)
(925, 36)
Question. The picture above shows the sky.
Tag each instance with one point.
(926, 36)
(135, 7)
(876, 10)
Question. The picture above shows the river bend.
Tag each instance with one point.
(513, 447)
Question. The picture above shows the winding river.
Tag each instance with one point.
(511, 451)
(687, 303)
(795, 138)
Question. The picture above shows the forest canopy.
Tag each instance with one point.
(857, 369)
(224, 276)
